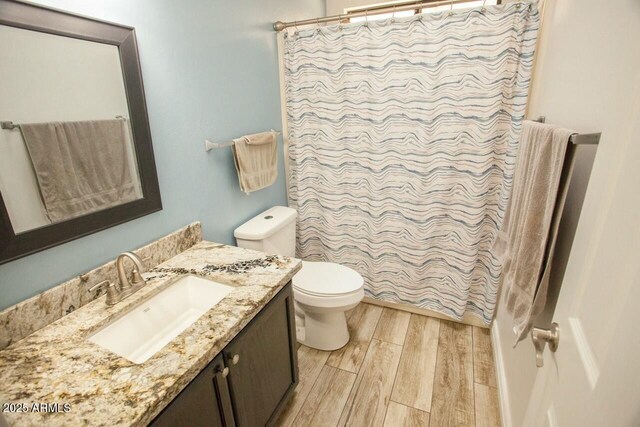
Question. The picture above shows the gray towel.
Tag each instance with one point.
(530, 226)
(256, 160)
(81, 167)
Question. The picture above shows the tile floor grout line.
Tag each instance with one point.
(475, 415)
(435, 370)
(473, 355)
(344, 408)
(348, 410)
(356, 382)
(297, 414)
(410, 407)
(341, 369)
(386, 409)
(473, 372)
(399, 362)
(393, 386)
(347, 401)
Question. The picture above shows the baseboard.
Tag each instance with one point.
(503, 395)
(467, 320)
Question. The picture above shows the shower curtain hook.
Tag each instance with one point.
(419, 10)
(393, 15)
(483, 9)
(451, 9)
(366, 17)
(340, 22)
(296, 32)
(318, 24)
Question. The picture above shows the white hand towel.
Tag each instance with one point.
(256, 160)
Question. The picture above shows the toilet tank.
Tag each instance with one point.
(273, 232)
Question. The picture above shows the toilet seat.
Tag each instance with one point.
(327, 279)
(326, 285)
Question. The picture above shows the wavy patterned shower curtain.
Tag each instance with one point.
(403, 135)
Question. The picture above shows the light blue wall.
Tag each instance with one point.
(210, 70)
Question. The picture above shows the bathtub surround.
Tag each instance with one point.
(208, 66)
(403, 137)
(28, 316)
(59, 364)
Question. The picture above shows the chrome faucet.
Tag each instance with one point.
(116, 293)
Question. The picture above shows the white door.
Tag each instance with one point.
(593, 379)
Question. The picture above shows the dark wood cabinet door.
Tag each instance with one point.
(266, 370)
(204, 402)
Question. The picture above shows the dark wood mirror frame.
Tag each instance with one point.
(45, 20)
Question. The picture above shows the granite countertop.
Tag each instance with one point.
(58, 365)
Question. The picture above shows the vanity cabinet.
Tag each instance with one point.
(262, 363)
(250, 381)
(204, 402)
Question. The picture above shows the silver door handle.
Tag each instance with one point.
(541, 337)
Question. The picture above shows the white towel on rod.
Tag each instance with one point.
(256, 160)
(81, 167)
(526, 240)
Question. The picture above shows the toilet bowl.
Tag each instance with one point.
(322, 291)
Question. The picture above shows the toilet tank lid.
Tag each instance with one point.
(265, 224)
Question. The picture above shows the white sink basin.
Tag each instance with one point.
(143, 331)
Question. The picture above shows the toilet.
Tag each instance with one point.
(322, 291)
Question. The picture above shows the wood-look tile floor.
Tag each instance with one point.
(398, 369)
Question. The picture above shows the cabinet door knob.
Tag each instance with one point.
(224, 371)
(235, 359)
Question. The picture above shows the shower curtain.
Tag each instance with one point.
(402, 142)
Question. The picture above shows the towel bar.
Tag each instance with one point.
(10, 125)
(210, 145)
(578, 138)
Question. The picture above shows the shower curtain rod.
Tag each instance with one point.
(398, 7)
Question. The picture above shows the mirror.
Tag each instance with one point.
(54, 79)
(75, 146)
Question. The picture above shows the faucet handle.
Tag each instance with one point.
(136, 277)
(99, 285)
(112, 292)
